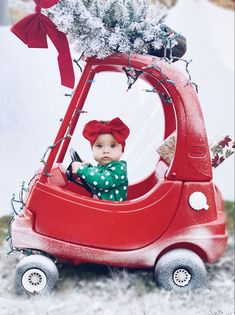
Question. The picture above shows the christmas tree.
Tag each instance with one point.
(103, 27)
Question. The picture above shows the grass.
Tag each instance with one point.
(230, 212)
(229, 209)
(4, 227)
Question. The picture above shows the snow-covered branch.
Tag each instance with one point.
(98, 27)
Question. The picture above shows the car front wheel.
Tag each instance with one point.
(35, 274)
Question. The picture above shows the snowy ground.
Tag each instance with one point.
(97, 290)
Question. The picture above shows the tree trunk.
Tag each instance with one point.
(4, 13)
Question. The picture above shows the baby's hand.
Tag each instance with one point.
(75, 167)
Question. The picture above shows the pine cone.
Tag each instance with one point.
(177, 51)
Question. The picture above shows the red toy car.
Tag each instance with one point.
(173, 220)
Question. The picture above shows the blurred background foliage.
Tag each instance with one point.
(17, 9)
(229, 4)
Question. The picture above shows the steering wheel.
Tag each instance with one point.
(76, 158)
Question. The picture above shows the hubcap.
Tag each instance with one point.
(34, 280)
(181, 277)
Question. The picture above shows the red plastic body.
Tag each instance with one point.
(61, 219)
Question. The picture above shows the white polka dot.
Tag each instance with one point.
(106, 190)
(113, 185)
(102, 177)
(116, 191)
(121, 199)
(116, 176)
(83, 176)
(96, 170)
(111, 196)
(92, 173)
(124, 187)
(99, 194)
(95, 183)
(81, 167)
(107, 182)
(113, 168)
(122, 168)
(122, 176)
(107, 173)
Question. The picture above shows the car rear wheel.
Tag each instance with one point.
(35, 274)
(180, 270)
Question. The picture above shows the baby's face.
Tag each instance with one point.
(106, 149)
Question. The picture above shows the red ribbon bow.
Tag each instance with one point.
(33, 31)
(115, 126)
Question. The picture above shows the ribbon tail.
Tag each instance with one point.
(65, 63)
(66, 69)
(60, 41)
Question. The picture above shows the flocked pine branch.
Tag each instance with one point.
(102, 27)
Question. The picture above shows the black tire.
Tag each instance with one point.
(180, 270)
(35, 274)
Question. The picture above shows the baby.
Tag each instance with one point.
(108, 180)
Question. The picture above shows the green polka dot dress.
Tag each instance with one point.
(108, 182)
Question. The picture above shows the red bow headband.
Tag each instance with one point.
(115, 126)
